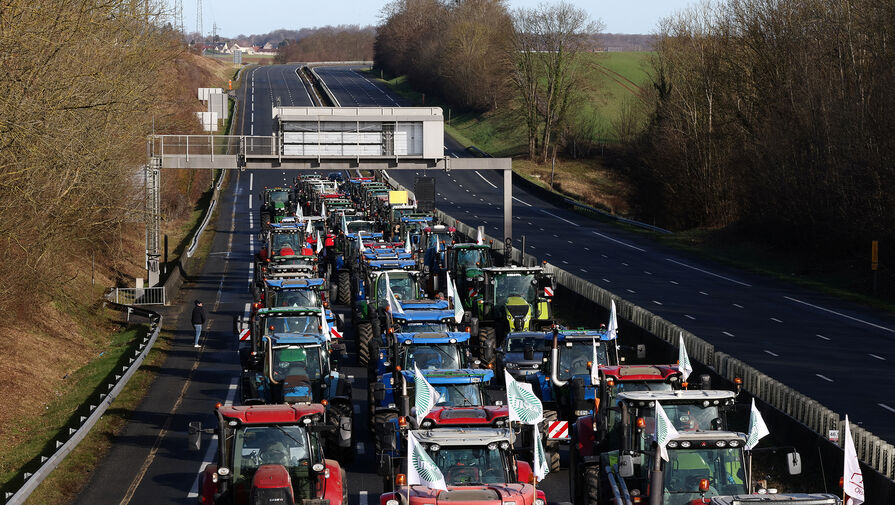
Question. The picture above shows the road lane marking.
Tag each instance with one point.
(883, 405)
(630, 290)
(774, 354)
(703, 293)
(657, 302)
(673, 282)
(583, 270)
(776, 320)
(728, 334)
(607, 280)
(647, 272)
(737, 305)
(823, 337)
(250, 200)
(709, 273)
(251, 180)
(561, 218)
(877, 357)
(688, 316)
(522, 202)
(824, 377)
(868, 323)
(625, 264)
(618, 241)
(483, 178)
(362, 498)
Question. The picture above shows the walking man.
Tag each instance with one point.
(198, 321)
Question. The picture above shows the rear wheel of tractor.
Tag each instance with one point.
(381, 420)
(591, 486)
(551, 448)
(364, 337)
(265, 220)
(344, 287)
(333, 291)
(487, 344)
(345, 455)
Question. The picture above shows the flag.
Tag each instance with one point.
(344, 224)
(665, 431)
(393, 306)
(309, 228)
(683, 362)
(595, 366)
(407, 247)
(541, 467)
(426, 395)
(324, 327)
(319, 243)
(421, 470)
(612, 330)
(852, 478)
(323, 210)
(757, 428)
(360, 243)
(478, 237)
(458, 304)
(524, 406)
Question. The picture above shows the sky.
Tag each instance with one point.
(241, 17)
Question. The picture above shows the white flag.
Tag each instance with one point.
(319, 243)
(541, 467)
(323, 210)
(393, 306)
(683, 361)
(523, 405)
(426, 395)
(665, 431)
(478, 237)
(852, 478)
(453, 296)
(324, 326)
(595, 366)
(407, 247)
(309, 228)
(344, 224)
(612, 330)
(421, 470)
(360, 243)
(757, 428)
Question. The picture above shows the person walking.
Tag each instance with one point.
(198, 321)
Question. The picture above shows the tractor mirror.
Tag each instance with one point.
(625, 466)
(641, 351)
(794, 463)
(194, 437)
(705, 382)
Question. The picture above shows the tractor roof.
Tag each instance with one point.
(424, 304)
(270, 414)
(470, 246)
(456, 376)
(286, 227)
(298, 339)
(416, 219)
(289, 311)
(707, 439)
(424, 316)
(464, 436)
(277, 188)
(425, 338)
(392, 264)
(513, 270)
(582, 335)
(623, 373)
(484, 416)
(714, 396)
(294, 283)
(777, 498)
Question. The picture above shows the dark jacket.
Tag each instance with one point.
(198, 315)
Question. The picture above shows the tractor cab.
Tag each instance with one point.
(273, 454)
(523, 353)
(466, 262)
(276, 203)
(426, 351)
(293, 293)
(268, 322)
(281, 239)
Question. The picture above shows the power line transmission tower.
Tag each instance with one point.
(199, 20)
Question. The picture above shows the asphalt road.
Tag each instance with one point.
(833, 351)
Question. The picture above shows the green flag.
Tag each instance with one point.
(524, 406)
(665, 431)
(421, 470)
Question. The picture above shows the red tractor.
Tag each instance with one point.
(270, 454)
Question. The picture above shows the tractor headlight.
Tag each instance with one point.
(391, 502)
(318, 467)
(539, 501)
(427, 423)
(223, 471)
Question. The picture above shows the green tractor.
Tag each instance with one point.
(504, 300)
(276, 203)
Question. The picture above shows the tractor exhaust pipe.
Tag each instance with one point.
(554, 360)
(270, 360)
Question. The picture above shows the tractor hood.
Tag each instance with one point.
(297, 389)
(271, 485)
(489, 494)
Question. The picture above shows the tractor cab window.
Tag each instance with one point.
(435, 238)
(433, 357)
(308, 361)
(281, 241)
(289, 446)
(614, 413)
(723, 468)
(684, 417)
(360, 226)
(573, 359)
(403, 285)
(464, 466)
(522, 343)
(424, 327)
(292, 324)
(279, 196)
(294, 298)
(514, 285)
(473, 258)
(459, 395)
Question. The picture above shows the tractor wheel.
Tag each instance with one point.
(487, 344)
(377, 327)
(333, 291)
(344, 287)
(591, 484)
(364, 337)
(345, 455)
(381, 420)
(551, 449)
(265, 220)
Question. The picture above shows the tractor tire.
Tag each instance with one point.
(333, 291)
(591, 485)
(487, 344)
(551, 449)
(344, 287)
(377, 327)
(364, 338)
(379, 420)
(345, 455)
(265, 220)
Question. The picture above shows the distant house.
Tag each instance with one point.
(269, 47)
(245, 50)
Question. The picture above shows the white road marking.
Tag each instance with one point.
(587, 248)
(737, 305)
(647, 273)
(362, 498)
(823, 337)
(250, 200)
(673, 282)
(776, 320)
(630, 290)
(703, 293)
(357, 408)
(625, 264)
(774, 354)
(564, 262)
(618, 241)
(890, 330)
(688, 316)
(709, 273)
(877, 357)
(522, 202)
(604, 256)
(251, 180)
(583, 270)
(824, 377)
(607, 280)
(569, 241)
(361, 449)
(657, 302)
(483, 178)
(561, 218)
(728, 333)
(883, 405)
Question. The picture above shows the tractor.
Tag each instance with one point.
(271, 455)
(276, 203)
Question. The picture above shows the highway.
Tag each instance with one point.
(829, 350)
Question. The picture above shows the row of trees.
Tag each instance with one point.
(776, 115)
(82, 84)
(480, 56)
(339, 43)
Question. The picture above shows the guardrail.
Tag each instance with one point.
(138, 296)
(322, 83)
(90, 412)
(820, 420)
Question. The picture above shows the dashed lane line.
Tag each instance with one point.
(774, 354)
(883, 405)
(824, 377)
(877, 357)
(728, 333)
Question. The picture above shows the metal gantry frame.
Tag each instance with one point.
(153, 218)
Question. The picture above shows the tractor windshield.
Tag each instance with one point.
(574, 357)
(253, 446)
(294, 298)
(403, 285)
(521, 285)
(473, 258)
(293, 360)
(290, 240)
(435, 238)
(429, 327)
(520, 343)
(433, 357)
(292, 324)
(279, 196)
(362, 226)
(464, 466)
(722, 468)
(459, 395)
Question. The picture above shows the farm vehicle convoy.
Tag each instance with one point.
(459, 348)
